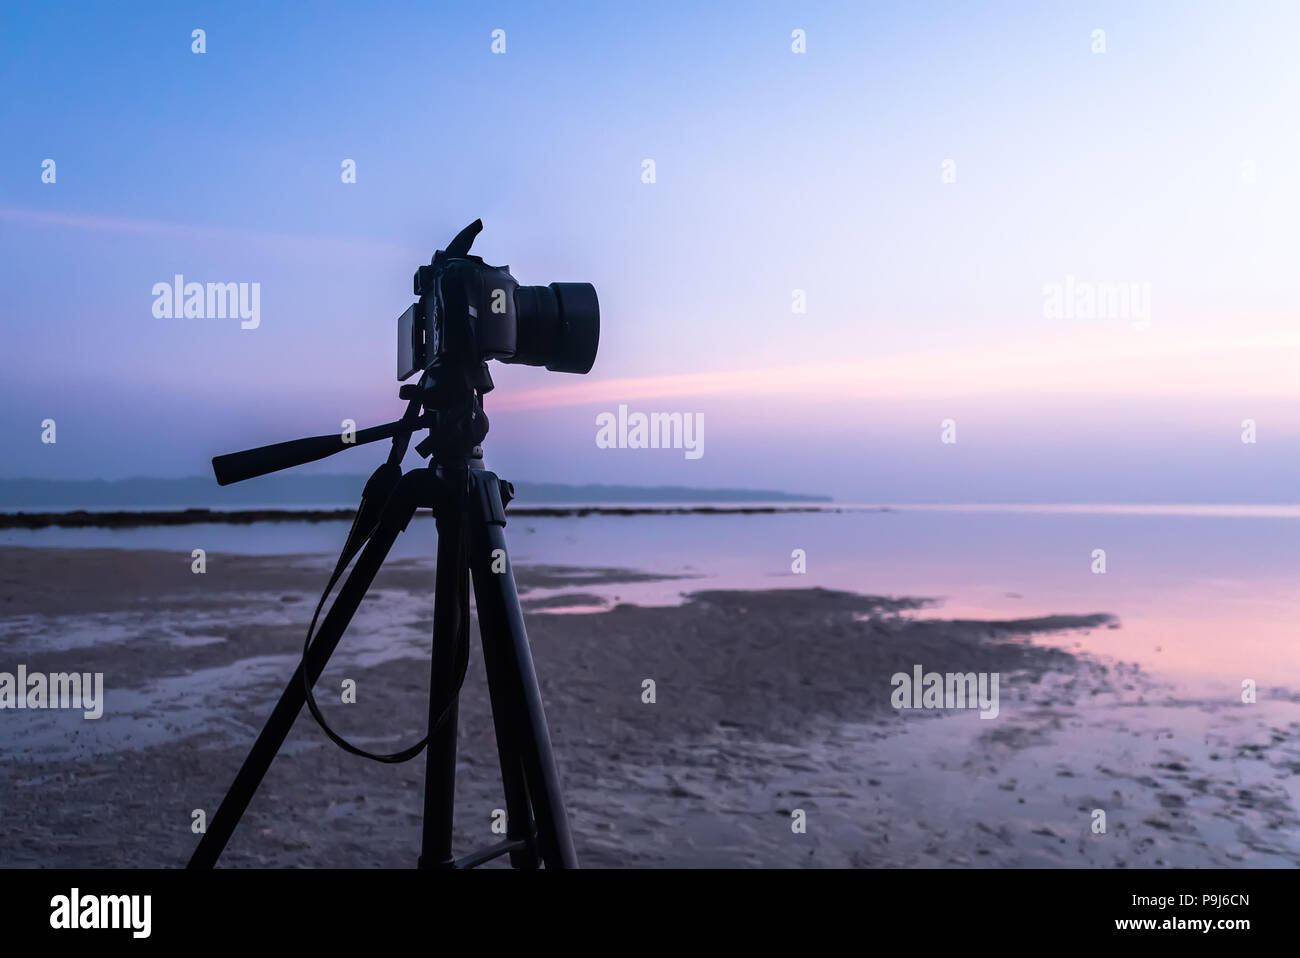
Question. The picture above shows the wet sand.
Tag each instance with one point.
(766, 704)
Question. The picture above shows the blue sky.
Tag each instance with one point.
(775, 172)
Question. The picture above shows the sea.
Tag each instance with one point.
(1204, 595)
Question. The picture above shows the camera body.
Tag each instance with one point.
(469, 312)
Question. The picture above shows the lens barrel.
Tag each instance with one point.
(558, 326)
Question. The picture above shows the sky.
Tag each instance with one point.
(929, 175)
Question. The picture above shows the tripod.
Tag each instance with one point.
(468, 504)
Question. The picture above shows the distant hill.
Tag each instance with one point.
(339, 490)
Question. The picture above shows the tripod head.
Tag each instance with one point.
(468, 313)
(444, 427)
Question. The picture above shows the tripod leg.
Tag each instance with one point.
(507, 722)
(512, 677)
(396, 514)
(450, 639)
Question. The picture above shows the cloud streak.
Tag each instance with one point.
(1261, 367)
(54, 219)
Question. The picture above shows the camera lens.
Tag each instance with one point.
(558, 327)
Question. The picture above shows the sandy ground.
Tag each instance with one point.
(766, 704)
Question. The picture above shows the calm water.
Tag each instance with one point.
(1205, 595)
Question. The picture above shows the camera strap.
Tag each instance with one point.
(378, 489)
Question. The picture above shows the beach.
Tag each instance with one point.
(770, 708)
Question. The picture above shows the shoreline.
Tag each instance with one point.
(125, 519)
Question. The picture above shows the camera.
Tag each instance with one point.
(469, 312)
